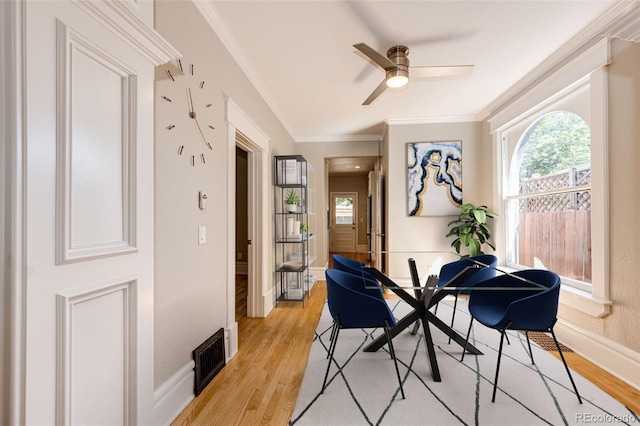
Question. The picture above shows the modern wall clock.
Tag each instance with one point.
(191, 123)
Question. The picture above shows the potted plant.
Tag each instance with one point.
(470, 229)
(292, 200)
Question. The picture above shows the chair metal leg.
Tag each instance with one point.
(526, 333)
(466, 341)
(332, 349)
(566, 367)
(332, 337)
(393, 355)
(453, 315)
(495, 381)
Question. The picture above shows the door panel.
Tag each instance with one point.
(89, 246)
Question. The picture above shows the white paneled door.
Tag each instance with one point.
(87, 325)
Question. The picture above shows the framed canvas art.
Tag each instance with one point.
(434, 178)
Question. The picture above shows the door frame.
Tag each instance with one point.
(244, 133)
(355, 217)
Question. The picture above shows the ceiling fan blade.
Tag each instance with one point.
(377, 92)
(376, 57)
(444, 71)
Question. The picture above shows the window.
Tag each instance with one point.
(344, 211)
(574, 96)
(549, 198)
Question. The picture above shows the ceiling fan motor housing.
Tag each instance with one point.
(399, 56)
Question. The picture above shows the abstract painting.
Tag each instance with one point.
(434, 178)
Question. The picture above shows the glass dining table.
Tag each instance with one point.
(426, 294)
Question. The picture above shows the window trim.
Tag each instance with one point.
(587, 67)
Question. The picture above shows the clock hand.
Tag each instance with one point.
(192, 113)
(201, 133)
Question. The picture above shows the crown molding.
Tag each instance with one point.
(125, 23)
(345, 138)
(581, 42)
(627, 25)
(216, 23)
(431, 120)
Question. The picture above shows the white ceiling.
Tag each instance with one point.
(300, 56)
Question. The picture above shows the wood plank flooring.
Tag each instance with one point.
(260, 385)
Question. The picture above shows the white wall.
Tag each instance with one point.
(405, 233)
(191, 279)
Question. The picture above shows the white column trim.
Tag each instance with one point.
(258, 145)
(13, 215)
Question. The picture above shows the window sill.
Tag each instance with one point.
(584, 302)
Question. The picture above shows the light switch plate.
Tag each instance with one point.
(202, 234)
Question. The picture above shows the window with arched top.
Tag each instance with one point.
(549, 197)
(552, 180)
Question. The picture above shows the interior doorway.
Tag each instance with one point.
(244, 133)
(242, 233)
(364, 176)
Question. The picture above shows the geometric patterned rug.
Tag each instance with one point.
(366, 391)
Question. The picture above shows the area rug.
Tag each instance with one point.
(366, 392)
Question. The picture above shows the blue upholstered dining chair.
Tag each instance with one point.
(354, 267)
(351, 307)
(531, 305)
(487, 263)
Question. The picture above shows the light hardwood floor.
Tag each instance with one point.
(260, 385)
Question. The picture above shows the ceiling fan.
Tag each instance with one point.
(396, 65)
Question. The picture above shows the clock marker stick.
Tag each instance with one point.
(202, 158)
(180, 148)
(180, 65)
(170, 75)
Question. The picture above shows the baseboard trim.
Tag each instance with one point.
(173, 396)
(612, 357)
(318, 271)
(242, 268)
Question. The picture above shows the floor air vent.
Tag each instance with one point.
(209, 358)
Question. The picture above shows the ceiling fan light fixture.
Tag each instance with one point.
(397, 78)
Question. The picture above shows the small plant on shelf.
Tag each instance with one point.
(470, 229)
(292, 200)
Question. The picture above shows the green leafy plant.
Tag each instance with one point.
(292, 198)
(470, 229)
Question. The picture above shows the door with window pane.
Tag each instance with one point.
(343, 224)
